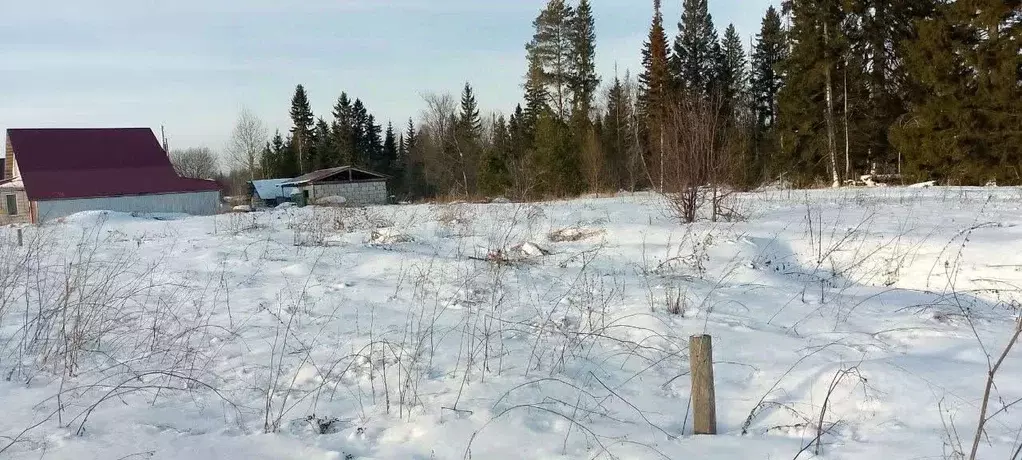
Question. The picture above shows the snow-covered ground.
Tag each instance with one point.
(511, 331)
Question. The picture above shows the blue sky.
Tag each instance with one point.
(192, 64)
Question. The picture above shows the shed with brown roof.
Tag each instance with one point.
(358, 187)
(52, 173)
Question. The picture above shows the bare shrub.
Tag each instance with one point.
(106, 324)
(322, 223)
(699, 159)
(454, 219)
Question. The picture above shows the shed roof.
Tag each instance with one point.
(325, 175)
(88, 163)
(269, 189)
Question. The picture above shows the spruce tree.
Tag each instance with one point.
(555, 163)
(494, 173)
(807, 102)
(302, 128)
(767, 77)
(766, 80)
(275, 158)
(468, 132)
(655, 93)
(733, 75)
(322, 153)
(416, 185)
(278, 158)
(372, 143)
(885, 26)
(697, 51)
(389, 158)
(343, 131)
(469, 121)
(400, 169)
(361, 127)
(584, 81)
(617, 134)
(965, 124)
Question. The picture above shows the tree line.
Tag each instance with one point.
(826, 91)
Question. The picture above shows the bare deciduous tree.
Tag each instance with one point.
(440, 143)
(195, 163)
(247, 142)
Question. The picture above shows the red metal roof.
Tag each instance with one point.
(89, 163)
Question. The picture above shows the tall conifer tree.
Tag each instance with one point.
(302, 129)
(696, 55)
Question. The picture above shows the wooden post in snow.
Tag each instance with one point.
(20, 241)
(704, 406)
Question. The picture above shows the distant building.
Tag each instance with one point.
(358, 187)
(52, 173)
(268, 192)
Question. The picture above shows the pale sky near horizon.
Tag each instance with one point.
(192, 64)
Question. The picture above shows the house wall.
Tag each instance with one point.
(195, 203)
(24, 215)
(356, 193)
(9, 164)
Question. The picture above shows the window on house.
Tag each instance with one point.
(12, 205)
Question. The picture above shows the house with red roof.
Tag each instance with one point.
(52, 173)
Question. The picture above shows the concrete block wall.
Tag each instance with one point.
(356, 193)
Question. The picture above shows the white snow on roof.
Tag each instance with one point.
(269, 189)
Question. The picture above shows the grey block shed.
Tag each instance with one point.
(358, 187)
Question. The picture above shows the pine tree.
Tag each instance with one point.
(301, 131)
(343, 132)
(733, 75)
(584, 81)
(550, 54)
(655, 94)
(696, 49)
(536, 98)
(965, 124)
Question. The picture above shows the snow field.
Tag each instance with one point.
(507, 331)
